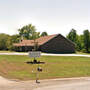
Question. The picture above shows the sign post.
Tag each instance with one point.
(34, 54)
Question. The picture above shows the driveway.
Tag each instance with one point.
(45, 54)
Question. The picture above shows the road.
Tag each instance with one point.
(73, 86)
(67, 85)
(82, 83)
(45, 54)
(6, 84)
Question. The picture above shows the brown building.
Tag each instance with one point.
(49, 44)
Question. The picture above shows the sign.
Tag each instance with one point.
(34, 54)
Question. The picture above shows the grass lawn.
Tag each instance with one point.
(6, 51)
(2, 51)
(82, 53)
(14, 67)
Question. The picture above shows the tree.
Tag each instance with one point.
(86, 40)
(89, 41)
(3, 41)
(72, 35)
(79, 43)
(77, 39)
(35, 35)
(27, 31)
(12, 39)
(44, 34)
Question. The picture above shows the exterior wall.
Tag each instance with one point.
(59, 44)
(27, 48)
(24, 48)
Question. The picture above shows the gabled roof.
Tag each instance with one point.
(45, 39)
(40, 41)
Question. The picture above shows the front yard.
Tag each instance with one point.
(15, 67)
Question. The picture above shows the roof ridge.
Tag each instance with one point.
(45, 39)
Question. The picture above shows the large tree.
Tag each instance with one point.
(28, 32)
(86, 40)
(72, 35)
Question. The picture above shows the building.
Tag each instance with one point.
(50, 44)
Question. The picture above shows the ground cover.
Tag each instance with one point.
(2, 51)
(15, 67)
(82, 53)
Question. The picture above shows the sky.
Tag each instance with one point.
(52, 16)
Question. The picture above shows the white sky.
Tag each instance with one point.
(53, 16)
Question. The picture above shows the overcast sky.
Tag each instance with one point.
(53, 16)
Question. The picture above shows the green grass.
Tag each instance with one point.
(12, 66)
(82, 53)
(6, 51)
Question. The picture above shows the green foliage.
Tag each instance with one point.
(74, 38)
(44, 34)
(28, 32)
(86, 40)
(6, 41)
(15, 38)
(12, 39)
(79, 42)
(35, 35)
(82, 41)
(3, 41)
(72, 35)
